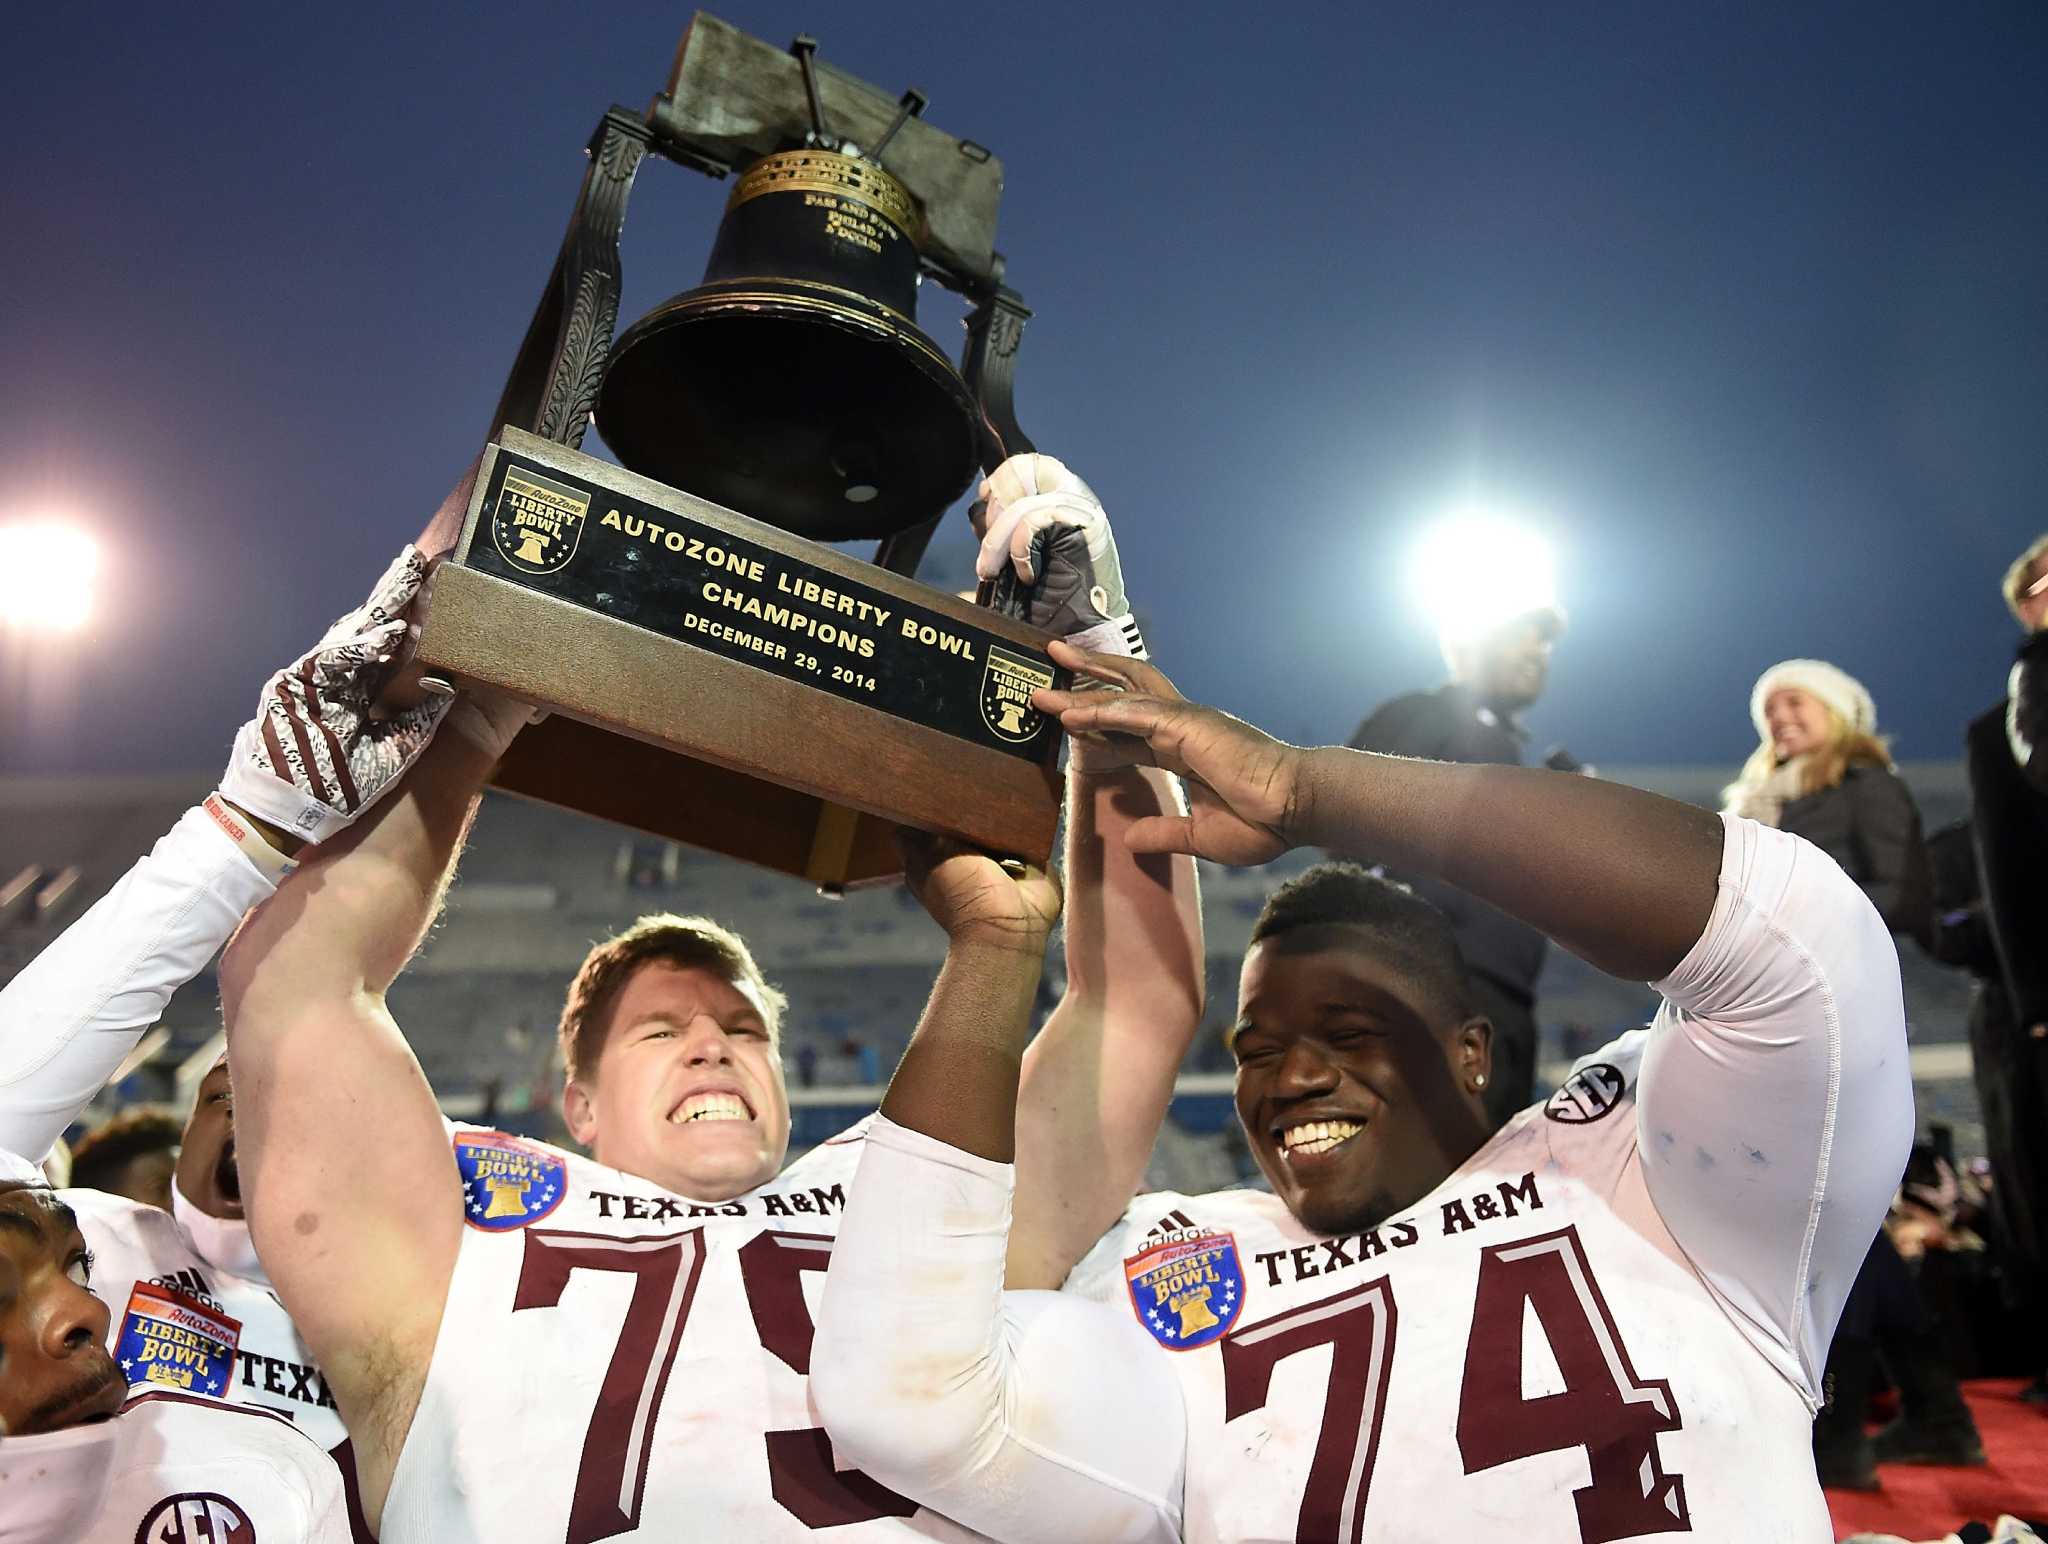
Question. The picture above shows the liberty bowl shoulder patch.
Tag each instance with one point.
(1187, 1287)
(171, 1340)
(506, 1183)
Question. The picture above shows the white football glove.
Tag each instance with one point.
(1042, 524)
(314, 758)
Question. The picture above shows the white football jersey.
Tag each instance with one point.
(616, 1361)
(183, 1324)
(1534, 1308)
(171, 1469)
(1608, 1323)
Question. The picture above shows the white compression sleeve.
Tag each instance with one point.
(79, 1007)
(1023, 1415)
(1775, 1102)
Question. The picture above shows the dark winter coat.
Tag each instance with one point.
(1869, 824)
(2009, 816)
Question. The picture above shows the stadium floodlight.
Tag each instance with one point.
(47, 570)
(1478, 568)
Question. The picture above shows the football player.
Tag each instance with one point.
(528, 1343)
(81, 1460)
(1606, 1322)
(315, 756)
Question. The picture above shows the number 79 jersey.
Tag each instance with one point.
(618, 1362)
(1526, 1353)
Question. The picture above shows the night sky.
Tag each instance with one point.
(1747, 305)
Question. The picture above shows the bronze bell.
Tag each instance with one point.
(794, 384)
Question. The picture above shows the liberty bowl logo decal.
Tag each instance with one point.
(1187, 1288)
(1007, 682)
(505, 1183)
(171, 1340)
(538, 522)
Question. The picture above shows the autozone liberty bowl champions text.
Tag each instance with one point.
(745, 586)
(701, 584)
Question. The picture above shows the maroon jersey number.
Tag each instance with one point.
(800, 1468)
(611, 1475)
(1604, 1406)
(1358, 1327)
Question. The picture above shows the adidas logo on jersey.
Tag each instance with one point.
(1175, 1221)
(191, 1282)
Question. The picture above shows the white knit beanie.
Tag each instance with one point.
(1817, 678)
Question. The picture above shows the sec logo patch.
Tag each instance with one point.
(1188, 1288)
(200, 1517)
(1589, 1093)
(505, 1183)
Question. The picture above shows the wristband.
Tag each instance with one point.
(240, 830)
(1117, 635)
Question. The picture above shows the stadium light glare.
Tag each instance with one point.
(1477, 568)
(47, 570)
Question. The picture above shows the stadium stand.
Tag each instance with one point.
(539, 885)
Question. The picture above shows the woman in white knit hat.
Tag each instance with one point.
(1822, 773)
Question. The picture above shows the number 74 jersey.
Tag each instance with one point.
(1526, 1353)
(618, 1362)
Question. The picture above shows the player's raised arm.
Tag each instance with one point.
(1025, 1415)
(352, 1193)
(78, 1008)
(71, 1015)
(1098, 1077)
(1624, 879)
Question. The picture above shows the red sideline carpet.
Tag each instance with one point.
(1921, 1503)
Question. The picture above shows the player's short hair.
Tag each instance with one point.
(2022, 571)
(101, 1154)
(682, 941)
(1406, 928)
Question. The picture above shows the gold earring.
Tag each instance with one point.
(1480, 1081)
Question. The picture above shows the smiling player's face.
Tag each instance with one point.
(1357, 1099)
(688, 1088)
(54, 1368)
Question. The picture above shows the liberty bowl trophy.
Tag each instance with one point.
(713, 672)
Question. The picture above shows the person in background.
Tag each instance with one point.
(131, 1154)
(2006, 759)
(1498, 672)
(1821, 772)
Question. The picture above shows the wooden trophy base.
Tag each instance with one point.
(720, 682)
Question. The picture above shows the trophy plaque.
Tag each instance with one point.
(718, 681)
(715, 672)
